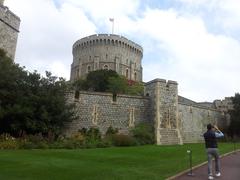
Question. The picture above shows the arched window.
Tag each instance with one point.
(88, 69)
(126, 73)
(105, 67)
(135, 76)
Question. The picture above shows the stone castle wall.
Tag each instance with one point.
(104, 51)
(193, 120)
(9, 28)
(99, 110)
(174, 122)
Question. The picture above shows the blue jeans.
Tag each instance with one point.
(213, 152)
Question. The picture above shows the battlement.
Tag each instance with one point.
(162, 81)
(9, 28)
(108, 39)
(9, 18)
(1, 2)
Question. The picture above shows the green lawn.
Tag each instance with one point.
(143, 162)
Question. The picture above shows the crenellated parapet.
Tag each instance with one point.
(108, 39)
(107, 51)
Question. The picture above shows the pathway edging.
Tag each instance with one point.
(197, 166)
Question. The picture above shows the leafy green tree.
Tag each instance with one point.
(108, 81)
(117, 85)
(234, 128)
(31, 103)
(95, 81)
(98, 80)
(135, 88)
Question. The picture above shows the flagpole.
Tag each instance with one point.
(112, 20)
(112, 26)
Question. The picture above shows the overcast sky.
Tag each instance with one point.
(194, 42)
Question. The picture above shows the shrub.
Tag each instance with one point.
(93, 134)
(123, 140)
(111, 131)
(143, 133)
(9, 144)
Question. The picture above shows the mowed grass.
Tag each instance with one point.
(133, 163)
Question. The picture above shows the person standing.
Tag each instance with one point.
(210, 138)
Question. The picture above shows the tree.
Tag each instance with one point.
(234, 128)
(99, 80)
(108, 81)
(135, 88)
(117, 85)
(31, 103)
(95, 81)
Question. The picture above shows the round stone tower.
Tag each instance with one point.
(107, 51)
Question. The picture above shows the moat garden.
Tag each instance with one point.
(135, 162)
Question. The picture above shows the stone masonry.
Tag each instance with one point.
(100, 110)
(176, 119)
(9, 28)
(164, 97)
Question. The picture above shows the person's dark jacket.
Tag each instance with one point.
(210, 139)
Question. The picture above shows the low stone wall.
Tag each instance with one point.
(99, 110)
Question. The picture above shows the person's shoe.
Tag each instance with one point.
(210, 177)
(218, 174)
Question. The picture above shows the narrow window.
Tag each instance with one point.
(127, 73)
(88, 69)
(76, 95)
(114, 97)
(135, 76)
(105, 67)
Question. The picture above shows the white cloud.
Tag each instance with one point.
(178, 43)
(47, 34)
(227, 12)
(199, 60)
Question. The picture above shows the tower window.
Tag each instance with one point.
(105, 67)
(135, 76)
(114, 97)
(88, 69)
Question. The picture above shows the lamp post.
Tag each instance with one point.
(190, 163)
(234, 144)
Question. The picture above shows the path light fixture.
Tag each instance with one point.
(190, 163)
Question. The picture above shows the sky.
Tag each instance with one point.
(193, 42)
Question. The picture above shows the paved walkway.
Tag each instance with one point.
(230, 169)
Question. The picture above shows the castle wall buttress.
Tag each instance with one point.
(164, 107)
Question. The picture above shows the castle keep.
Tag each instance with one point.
(176, 119)
(104, 51)
(9, 28)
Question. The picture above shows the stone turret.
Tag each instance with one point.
(9, 28)
(164, 104)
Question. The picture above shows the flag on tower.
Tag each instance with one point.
(111, 19)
